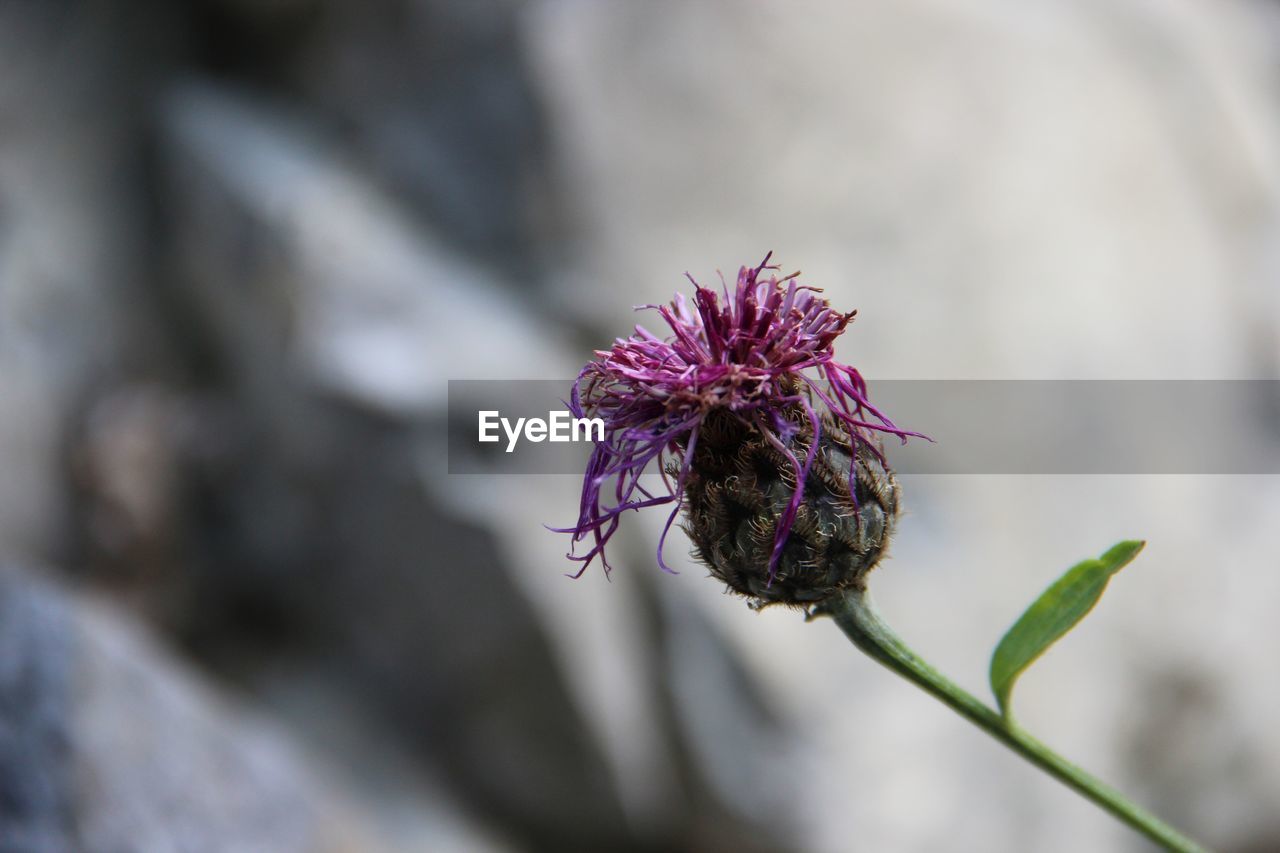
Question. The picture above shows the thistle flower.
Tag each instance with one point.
(769, 444)
(773, 450)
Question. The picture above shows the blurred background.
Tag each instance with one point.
(244, 244)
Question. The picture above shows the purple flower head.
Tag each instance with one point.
(766, 351)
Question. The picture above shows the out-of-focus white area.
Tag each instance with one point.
(1022, 191)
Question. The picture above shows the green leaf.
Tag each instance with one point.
(1053, 614)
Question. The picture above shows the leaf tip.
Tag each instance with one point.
(1121, 554)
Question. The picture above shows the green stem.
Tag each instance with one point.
(857, 617)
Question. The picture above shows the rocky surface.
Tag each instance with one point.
(108, 743)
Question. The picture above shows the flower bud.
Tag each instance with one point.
(738, 490)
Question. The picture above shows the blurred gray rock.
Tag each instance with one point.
(336, 322)
(435, 98)
(301, 273)
(107, 744)
(37, 804)
(328, 286)
(72, 304)
(441, 99)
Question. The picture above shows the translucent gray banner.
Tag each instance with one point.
(977, 426)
